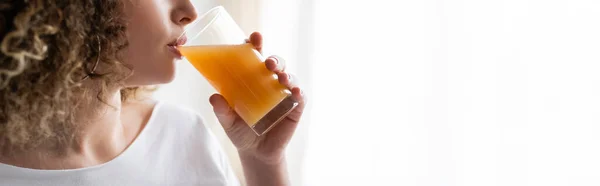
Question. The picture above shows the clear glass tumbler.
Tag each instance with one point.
(217, 48)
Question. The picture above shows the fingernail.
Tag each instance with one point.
(289, 76)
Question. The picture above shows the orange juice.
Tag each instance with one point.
(238, 73)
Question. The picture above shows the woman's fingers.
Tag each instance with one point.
(300, 97)
(256, 40)
(275, 64)
(287, 80)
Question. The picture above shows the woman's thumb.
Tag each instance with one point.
(222, 110)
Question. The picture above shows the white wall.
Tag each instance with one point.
(456, 92)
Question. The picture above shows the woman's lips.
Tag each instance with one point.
(175, 51)
(181, 40)
(173, 46)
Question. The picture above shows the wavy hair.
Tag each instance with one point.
(47, 47)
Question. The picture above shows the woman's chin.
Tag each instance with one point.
(156, 79)
(167, 79)
(163, 79)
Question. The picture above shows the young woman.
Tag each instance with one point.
(73, 109)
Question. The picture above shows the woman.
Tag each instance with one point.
(73, 112)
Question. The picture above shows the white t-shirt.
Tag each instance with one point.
(174, 148)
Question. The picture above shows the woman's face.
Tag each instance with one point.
(153, 29)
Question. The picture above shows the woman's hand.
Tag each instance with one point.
(268, 148)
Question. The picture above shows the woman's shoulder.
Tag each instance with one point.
(164, 120)
(176, 138)
(173, 123)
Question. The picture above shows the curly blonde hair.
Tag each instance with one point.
(47, 47)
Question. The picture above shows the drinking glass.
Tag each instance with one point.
(217, 48)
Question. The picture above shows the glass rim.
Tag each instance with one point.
(219, 9)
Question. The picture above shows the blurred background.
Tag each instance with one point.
(430, 92)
